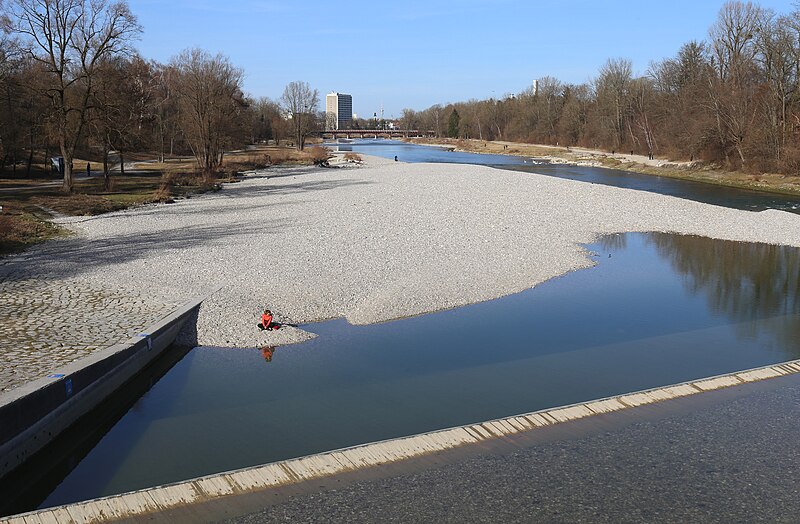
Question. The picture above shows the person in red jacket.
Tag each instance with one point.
(266, 321)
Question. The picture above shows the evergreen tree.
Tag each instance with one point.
(452, 124)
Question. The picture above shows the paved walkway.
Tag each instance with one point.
(692, 460)
(48, 320)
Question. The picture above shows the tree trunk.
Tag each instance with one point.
(67, 156)
(30, 149)
(161, 141)
(106, 174)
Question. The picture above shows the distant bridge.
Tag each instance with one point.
(373, 133)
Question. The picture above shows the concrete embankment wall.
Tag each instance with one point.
(34, 414)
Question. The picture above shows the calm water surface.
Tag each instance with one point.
(697, 191)
(657, 309)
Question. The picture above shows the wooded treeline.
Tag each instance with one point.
(72, 85)
(731, 99)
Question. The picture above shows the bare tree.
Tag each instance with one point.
(70, 38)
(122, 102)
(680, 86)
(572, 121)
(210, 102)
(612, 91)
(733, 39)
(409, 119)
(640, 125)
(778, 60)
(9, 94)
(300, 103)
(264, 113)
(548, 103)
(432, 119)
(732, 90)
(164, 111)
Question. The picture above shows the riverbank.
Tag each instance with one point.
(695, 171)
(369, 243)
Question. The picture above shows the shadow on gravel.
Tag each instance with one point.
(70, 258)
(283, 172)
(289, 189)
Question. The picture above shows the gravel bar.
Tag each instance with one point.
(370, 243)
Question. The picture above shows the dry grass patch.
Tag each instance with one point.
(23, 226)
(320, 155)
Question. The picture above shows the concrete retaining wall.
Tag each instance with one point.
(34, 414)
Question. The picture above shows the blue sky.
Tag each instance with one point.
(414, 53)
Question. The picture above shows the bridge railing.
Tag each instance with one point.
(365, 133)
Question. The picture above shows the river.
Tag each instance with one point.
(688, 189)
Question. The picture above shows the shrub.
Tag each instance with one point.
(319, 155)
(352, 157)
(168, 181)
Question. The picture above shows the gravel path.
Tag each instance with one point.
(370, 243)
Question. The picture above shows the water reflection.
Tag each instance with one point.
(613, 242)
(744, 281)
(267, 352)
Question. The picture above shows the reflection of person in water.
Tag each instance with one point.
(266, 321)
(267, 352)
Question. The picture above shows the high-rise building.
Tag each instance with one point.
(338, 111)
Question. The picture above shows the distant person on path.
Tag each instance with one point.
(266, 321)
(88, 169)
(395, 158)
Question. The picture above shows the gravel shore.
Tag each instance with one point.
(370, 243)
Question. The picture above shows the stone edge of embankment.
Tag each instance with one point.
(311, 467)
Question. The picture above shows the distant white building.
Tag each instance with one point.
(338, 111)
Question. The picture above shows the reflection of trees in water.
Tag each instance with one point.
(616, 241)
(743, 280)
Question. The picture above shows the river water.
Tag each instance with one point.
(698, 191)
(657, 309)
